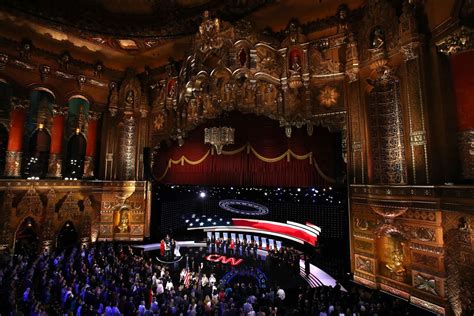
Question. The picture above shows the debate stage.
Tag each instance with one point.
(315, 278)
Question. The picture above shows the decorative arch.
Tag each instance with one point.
(79, 96)
(26, 238)
(45, 89)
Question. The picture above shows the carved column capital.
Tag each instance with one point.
(459, 40)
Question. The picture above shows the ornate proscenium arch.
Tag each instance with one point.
(296, 82)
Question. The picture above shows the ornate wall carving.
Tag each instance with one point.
(436, 244)
(295, 81)
(50, 204)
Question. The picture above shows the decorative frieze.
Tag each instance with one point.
(427, 305)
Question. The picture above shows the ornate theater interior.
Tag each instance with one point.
(235, 150)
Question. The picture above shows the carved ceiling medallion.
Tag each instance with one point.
(328, 96)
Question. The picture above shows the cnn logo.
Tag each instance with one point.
(216, 258)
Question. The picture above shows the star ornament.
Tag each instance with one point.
(158, 122)
(328, 96)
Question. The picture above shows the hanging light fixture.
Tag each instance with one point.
(219, 137)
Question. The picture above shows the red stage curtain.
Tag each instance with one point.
(244, 168)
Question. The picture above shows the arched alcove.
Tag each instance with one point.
(38, 153)
(26, 237)
(67, 236)
(76, 153)
(37, 139)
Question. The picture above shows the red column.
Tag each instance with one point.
(15, 138)
(57, 132)
(91, 144)
(462, 66)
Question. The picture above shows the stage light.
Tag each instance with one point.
(186, 221)
(202, 194)
(298, 189)
(201, 224)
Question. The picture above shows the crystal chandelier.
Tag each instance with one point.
(218, 137)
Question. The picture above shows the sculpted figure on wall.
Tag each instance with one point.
(397, 257)
(123, 225)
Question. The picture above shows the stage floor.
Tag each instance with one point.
(315, 278)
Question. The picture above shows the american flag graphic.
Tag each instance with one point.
(187, 278)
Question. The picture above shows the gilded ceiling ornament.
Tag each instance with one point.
(209, 33)
(328, 96)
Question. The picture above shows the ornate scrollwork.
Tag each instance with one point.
(459, 40)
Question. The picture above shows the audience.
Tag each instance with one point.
(110, 279)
